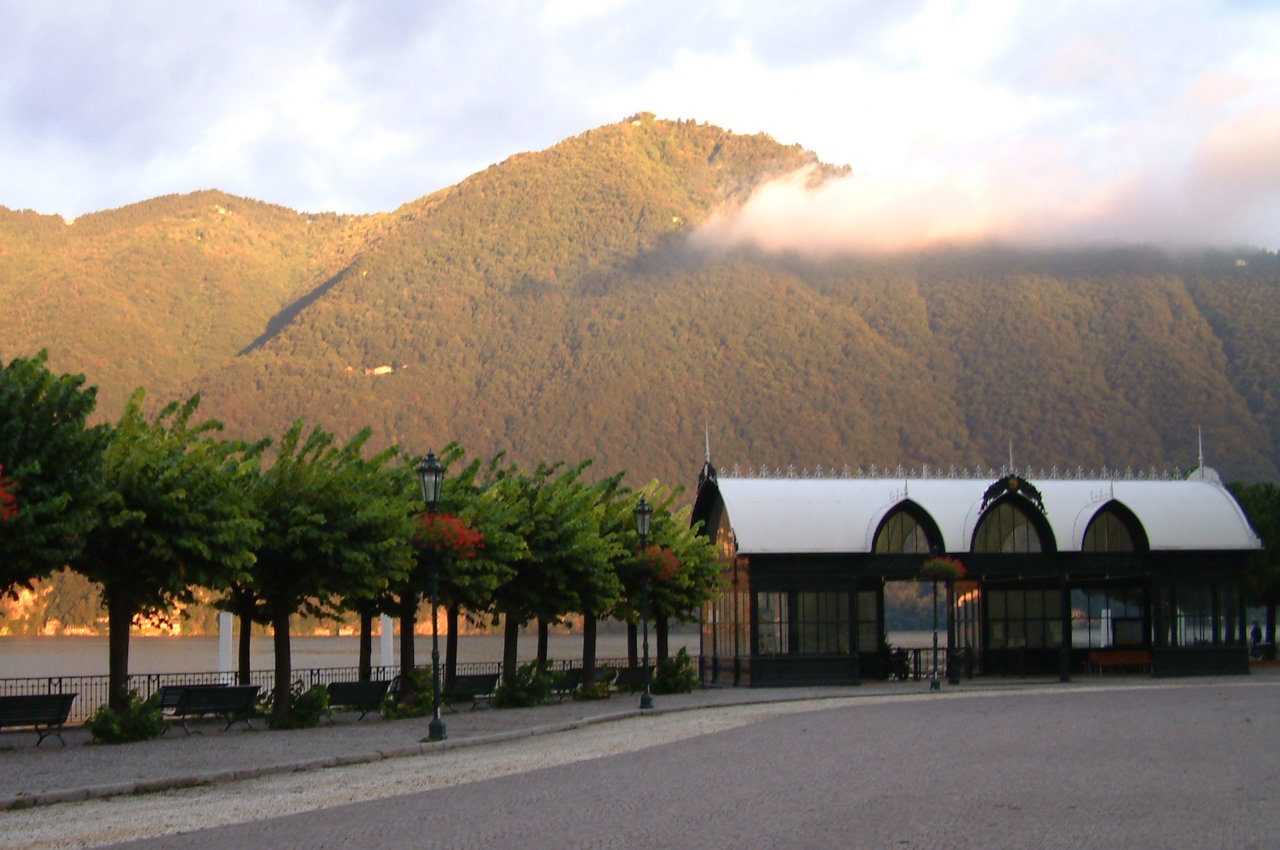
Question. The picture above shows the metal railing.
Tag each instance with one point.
(93, 690)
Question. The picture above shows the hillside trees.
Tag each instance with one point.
(51, 460)
(172, 516)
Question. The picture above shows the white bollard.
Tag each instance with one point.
(386, 641)
(225, 623)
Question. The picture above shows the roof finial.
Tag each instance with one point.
(1200, 441)
(1011, 467)
(708, 472)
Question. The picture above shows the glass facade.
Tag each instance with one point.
(1202, 614)
(1108, 616)
(805, 622)
(1018, 618)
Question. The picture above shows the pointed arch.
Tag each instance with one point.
(1114, 528)
(907, 529)
(1012, 524)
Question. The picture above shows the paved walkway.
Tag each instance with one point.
(1112, 761)
(51, 773)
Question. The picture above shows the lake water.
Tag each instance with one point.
(87, 656)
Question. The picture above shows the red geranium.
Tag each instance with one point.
(660, 564)
(943, 567)
(448, 535)
(8, 503)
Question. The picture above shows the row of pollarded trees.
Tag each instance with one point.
(154, 507)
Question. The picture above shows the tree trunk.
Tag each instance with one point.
(243, 650)
(588, 651)
(633, 645)
(283, 700)
(119, 621)
(452, 616)
(662, 628)
(542, 642)
(408, 623)
(366, 643)
(510, 648)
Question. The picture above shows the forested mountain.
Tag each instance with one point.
(552, 307)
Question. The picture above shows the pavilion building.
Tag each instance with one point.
(1061, 573)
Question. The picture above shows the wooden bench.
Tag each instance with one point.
(229, 702)
(169, 694)
(363, 697)
(631, 678)
(477, 687)
(568, 680)
(45, 713)
(1121, 659)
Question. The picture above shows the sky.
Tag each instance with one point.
(1151, 121)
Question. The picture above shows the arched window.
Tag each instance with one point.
(1006, 528)
(1114, 529)
(907, 530)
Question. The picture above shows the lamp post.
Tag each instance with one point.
(431, 476)
(644, 513)
(934, 684)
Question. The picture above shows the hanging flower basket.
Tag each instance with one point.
(943, 568)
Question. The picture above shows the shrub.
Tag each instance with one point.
(305, 709)
(532, 685)
(675, 675)
(415, 702)
(138, 721)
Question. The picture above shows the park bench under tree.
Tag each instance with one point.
(45, 713)
(363, 697)
(229, 702)
(169, 694)
(477, 687)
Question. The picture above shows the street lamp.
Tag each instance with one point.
(644, 513)
(431, 477)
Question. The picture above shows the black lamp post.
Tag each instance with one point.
(431, 476)
(934, 684)
(644, 513)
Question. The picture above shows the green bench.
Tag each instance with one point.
(228, 702)
(45, 713)
(363, 697)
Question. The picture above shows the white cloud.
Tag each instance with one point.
(1027, 115)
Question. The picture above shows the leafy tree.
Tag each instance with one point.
(679, 565)
(556, 517)
(1261, 504)
(51, 461)
(335, 524)
(173, 517)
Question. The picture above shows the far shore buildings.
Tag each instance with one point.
(1063, 574)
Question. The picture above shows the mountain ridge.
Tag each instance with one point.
(551, 306)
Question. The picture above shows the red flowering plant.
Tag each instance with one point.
(8, 503)
(658, 564)
(943, 568)
(448, 535)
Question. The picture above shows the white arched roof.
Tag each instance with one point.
(840, 515)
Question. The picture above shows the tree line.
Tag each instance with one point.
(160, 505)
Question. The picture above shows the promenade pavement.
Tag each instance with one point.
(52, 773)
(1003, 763)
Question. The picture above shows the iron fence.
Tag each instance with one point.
(93, 691)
